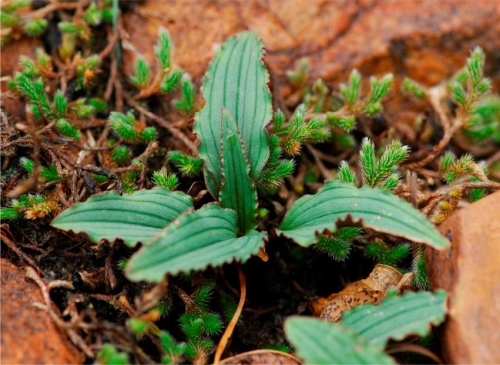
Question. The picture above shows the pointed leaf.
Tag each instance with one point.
(207, 236)
(378, 209)
(237, 81)
(397, 317)
(320, 342)
(238, 190)
(137, 217)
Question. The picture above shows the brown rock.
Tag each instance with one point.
(28, 334)
(470, 271)
(425, 40)
(10, 63)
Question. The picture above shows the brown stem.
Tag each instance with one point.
(230, 327)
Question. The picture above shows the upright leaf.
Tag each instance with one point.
(237, 81)
(378, 209)
(397, 317)
(238, 190)
(207, 236)
(137, 217)
(320, 342)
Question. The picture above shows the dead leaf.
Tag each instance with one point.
(370, 290)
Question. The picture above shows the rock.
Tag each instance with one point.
(470, 271)
(10, 63)
(425, 40)
(28, 335)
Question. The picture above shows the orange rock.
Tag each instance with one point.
(425, 40)
(470, 271)
(28, 335)
(10, 63)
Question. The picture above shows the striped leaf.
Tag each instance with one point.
(137, 217)
(377, 209)
(237, 81)
(238, 190)
(397, 317)
(200, 238)
(320, 342)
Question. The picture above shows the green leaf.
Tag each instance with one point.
(397, 317)
(134, 218)
(238, 190)
(207, 236)
(378, 209)
(320, 342)
(237, 81)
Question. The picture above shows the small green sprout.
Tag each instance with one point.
(188, 165)
(164, 179)
(186, 103)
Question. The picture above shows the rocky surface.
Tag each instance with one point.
(424, 40)
(28, 335)
(470, 270)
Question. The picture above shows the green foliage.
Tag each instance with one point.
(133, 218)
(125, 126)
(165, 180)
(381, 172)
(93, 15)
(35, 27)
(484, 122)
(34, 91)
(229, 306)
(186, 103)
(383, 254)
(418, 267)
(10, 213)
(172, 351)
(397, 317)
(247, 99)
(298, 77)
(67, 129)
(347, 123)
(60, 104)
(338, 244)
(47, 173)
(413, 88)
(452, 168)
(138, 326)
(120, 154)
(238, 190)
(141, 77)
(171, 81)
(364, 331)
(163, 49)
(345, 173)
(377, 209)
(379, 89)
(276, 169)
(207, 236)
(188, 165)
(352, 89)
(470, 84)
(293, 134)
(110, 356)
(27, 164)
(198, 324)
(320, 342)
